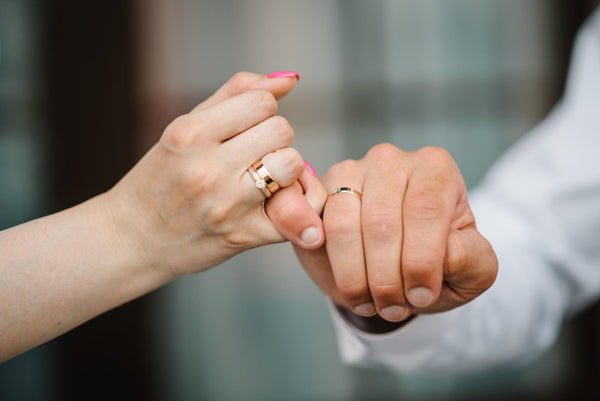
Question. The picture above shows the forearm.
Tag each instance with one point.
(62, 270)
(189, 204)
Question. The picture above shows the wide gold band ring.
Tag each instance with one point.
(264, 181)
(346, 190)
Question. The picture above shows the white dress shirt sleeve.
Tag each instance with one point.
(539, 206)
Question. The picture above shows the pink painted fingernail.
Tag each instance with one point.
(310, 169)
(284, 74)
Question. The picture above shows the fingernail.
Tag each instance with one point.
(310, 169)
(311, 235)
(420, 296)
(284, 74)
(366, 309)
(394, 313)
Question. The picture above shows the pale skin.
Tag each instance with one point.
(188, 205)
(410, 246)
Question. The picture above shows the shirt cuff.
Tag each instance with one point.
(407, 348)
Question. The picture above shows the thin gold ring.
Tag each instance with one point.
(346, 190)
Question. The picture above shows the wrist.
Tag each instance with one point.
(125, 225)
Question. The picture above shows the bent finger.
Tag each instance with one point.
(293, 213)
(428, 207)
(290, 215)
(283, 167)
(314, 191)
(268, 136)
(219, 123)
(244, 81)
(317, 266)
(385, 186)
(341, 219)
(236, 114)
(294, 218)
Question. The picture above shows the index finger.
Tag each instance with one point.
(244, 81)
(428, 207)
(222, 121)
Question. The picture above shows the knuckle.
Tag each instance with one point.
(418, 268)
(434, 153)
(383, 151)
(387, 292)
(265, 99)
(294, 156)
(381, 221)
(217, 217)
(354, 291)
(242, 80)
(440, 161)
(180, 133)
(423, 205)
(294, 164)
(340, 228)
(346, 166)
(239, 240)
(284, 214)
(283, 128)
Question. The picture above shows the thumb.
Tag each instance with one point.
(470, 269)
(295, 211)
(471, 264)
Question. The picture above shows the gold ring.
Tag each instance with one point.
(262, 171)
(264, 182)
(347, 190)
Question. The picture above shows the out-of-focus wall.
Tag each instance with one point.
(467, 75)
(23, 164)
(21, 156)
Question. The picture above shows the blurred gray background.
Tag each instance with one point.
(86, 89)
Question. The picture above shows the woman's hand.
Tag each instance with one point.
(186, 206)
(410, 245)
(190, 203)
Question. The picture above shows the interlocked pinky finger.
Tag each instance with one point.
(275, 170)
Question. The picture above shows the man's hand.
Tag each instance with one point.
(409, 246)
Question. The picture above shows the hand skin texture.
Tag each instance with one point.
(411, 244)
(188, 205)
